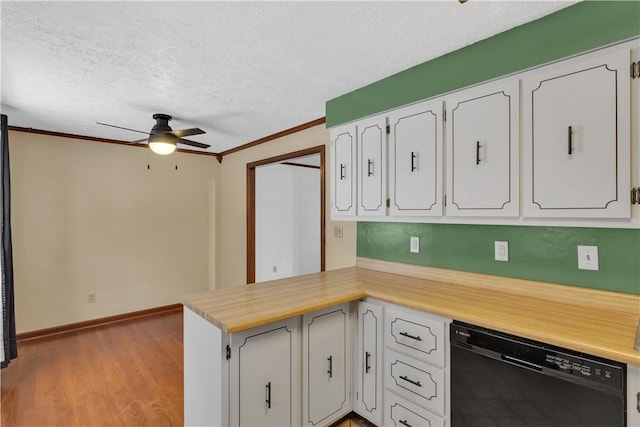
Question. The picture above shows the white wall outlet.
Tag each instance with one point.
(337, 231)
(91, 298)
(414, 244)
(501, 251)
(588, 258)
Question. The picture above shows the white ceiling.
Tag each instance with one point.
(239, 70)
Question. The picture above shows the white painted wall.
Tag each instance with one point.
(287, 221)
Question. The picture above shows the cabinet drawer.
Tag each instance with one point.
(400, 412)
(419, 337)
(416, 381)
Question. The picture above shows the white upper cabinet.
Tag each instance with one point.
(576, 137)
(343, 171)
(372, 167)
(416, 160)
(483, 131)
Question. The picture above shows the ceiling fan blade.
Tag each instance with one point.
(187, 132)
(192, 143)
(137, 141)
(120, 127)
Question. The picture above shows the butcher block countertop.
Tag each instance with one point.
(591, 321)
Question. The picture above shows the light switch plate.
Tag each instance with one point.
(588, 258)
(414, 244)
(501, 251)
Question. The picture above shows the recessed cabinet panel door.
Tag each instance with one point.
(369, 363)
(415, 154)
(263, 368)
(372, 163)
(343, 174)
(577, 138)
(325, 341)
(483, 155)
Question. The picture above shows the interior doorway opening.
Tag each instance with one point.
(286, 215)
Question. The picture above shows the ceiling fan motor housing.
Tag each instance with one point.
(162, 124)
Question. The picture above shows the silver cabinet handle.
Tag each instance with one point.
(330, 371)
(343, 171)
(414, 163)
(367, 367)
(417, 338)
(416, 383)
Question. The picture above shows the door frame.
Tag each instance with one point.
(251, 204)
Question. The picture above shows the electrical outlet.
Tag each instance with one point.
(274, 268)
(501, 251)
(91, 298)
(337, 231)
(588, 258)
(414, 244)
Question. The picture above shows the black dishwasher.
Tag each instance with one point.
(503, 380)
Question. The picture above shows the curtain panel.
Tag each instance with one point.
(8, 330)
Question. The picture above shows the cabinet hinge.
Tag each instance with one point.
(635, 196)
(635, 70)
(228, 352)
(388, 203)
(388, 129)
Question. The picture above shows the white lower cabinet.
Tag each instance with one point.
(633, 396)
(326, 365)
(416, 368)
(368, 362)
(263, 382)
(400, 412)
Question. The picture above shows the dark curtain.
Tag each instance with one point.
(8, 313)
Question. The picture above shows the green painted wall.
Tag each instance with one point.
(584, 26)
(547, 254)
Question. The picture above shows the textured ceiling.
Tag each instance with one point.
(239, 70)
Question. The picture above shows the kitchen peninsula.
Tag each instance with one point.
(595, 322)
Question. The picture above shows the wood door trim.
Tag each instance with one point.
(251, 204)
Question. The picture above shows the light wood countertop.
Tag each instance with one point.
(596, 322)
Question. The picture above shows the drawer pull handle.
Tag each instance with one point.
(417, 338)
(414, 162)
(330, 371)
(367, 367)
(369, 167)
(343, 171)
(416, 383)
(405, 423)
(268, 395)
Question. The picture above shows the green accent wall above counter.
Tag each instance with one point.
(545, 254)
(586, 25)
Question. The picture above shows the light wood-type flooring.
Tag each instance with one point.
(122, 374)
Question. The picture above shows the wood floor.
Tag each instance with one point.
(123, 374)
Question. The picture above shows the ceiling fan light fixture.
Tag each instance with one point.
(162, 144)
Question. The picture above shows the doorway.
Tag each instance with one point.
(286, 215)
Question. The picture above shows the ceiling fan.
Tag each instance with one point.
(162, 139)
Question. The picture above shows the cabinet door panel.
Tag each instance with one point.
(343, 173)
(415, 155)
(418, 336)
(326, 340)
(368, 401)
(483, 155)
(402, 413)
(263, 369)
(372, 165)
(577, 138)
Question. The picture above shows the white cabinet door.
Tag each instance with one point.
(263, 381)
(415, 160)
(372, 167)
(343, 173)
(576, 137)
(326, 366)
(633, 396)
(483, 156)
(368, 362)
